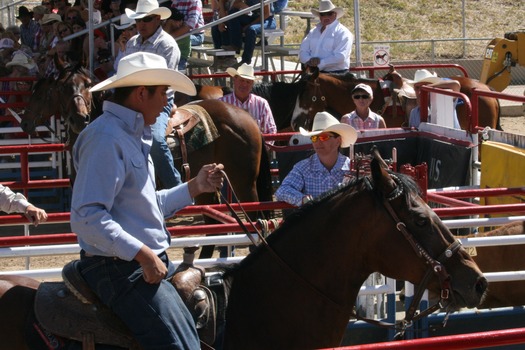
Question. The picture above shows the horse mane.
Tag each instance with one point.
(299, 215)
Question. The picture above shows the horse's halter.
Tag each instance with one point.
(435, 265)
(72, 101)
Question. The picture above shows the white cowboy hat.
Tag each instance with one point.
(146, 69)
(325, 122)
(365, 88)
(146, 8)
(245, 71)
(20, 59)
(424, 76)
(125, 22)
(327, 6)
(50, 17)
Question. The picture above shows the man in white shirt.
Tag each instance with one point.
(329, 44)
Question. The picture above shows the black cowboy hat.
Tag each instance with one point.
(24, 12)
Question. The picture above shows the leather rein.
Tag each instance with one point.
(435, 265)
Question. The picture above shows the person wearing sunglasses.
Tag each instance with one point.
(324, 170)
(363, 117)
(329, 44)
(153, 38)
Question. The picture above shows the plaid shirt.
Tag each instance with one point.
(371, 122)
(310, 177)
(27, 34)
(258, 108)
(192, 11)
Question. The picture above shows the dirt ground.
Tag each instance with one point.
(514, 125)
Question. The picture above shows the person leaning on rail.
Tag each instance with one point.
(11, 202)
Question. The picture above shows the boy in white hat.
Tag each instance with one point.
(363, 117)
(118, 215)
(326, 169)
(152, 38)
(424, 77)
(328, 46)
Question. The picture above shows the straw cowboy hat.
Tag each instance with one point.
(125, 22)
(424, 76)
(50, 17)
(327, 6)
(20, 59)
(245, 71)
(146, 8)
(325, 122)
(146, 69)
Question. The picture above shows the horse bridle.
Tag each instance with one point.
(435, 265)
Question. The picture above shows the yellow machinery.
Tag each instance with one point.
(500, 55)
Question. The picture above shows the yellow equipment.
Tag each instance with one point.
(500, 55)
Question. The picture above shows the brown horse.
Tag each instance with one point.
(502, 258)
(298, 290)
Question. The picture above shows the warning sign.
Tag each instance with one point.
(381, 55)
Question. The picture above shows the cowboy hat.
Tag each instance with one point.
(6, 43)
(327, 6)
(39, 10)
(146, 8)
(325, 122)
(245, 71)
(146, 69)
(125, 22)
(424, 76)
(50, 17)
(24, 12)
(20, 59)
(365, 88)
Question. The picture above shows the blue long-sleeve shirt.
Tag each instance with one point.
(115, 208)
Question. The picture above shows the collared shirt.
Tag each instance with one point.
(160, 43)
(192, 11)
(115, 208)
(333, 46)
(258, 108)
(27, 33)
(310, 177)
(11, 202)
(371, 122)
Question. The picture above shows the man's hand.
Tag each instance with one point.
(209, 179)
(154, 270)
(313, 62)
(35, 215)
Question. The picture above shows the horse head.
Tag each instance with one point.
(310, 101)
(43, 104)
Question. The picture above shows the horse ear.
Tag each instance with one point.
(382, 179)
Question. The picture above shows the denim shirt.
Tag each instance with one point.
(115, 207)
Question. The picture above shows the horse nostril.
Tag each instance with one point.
(481, 286)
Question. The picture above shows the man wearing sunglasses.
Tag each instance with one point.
(324, 170)
(329, 44)
(152, 38)
(363, 117)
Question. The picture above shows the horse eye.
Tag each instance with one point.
(421, 221)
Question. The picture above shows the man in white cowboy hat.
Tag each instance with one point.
(326, 169)
(424, 77)
(329, 44)
(363, 117)
(242, 97)
(119, 216)
(148, 17)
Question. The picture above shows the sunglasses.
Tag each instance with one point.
(364, 97)
(326, 14)
(321, 138)
(104, 60)
(145, 19)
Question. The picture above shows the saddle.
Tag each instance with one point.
(190, 127)
(402, 97)
(71, 310)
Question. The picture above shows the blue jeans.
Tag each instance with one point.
(197, 39)
(160, 152)
(235, 26)
(154, 313)
(219, 38)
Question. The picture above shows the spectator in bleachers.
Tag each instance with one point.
(171, 26)
(61, 49)
(127, 30)
(7, 47)
(38, 14)
(11, 202)
(21, 66)
(104, 68)
(47, 39)
(28, 28)
(113, 11)
(242, 97)
(329, 44)
(193, 19)
(13, 32)
(248, 25)
(50, 5)
(72, 14)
